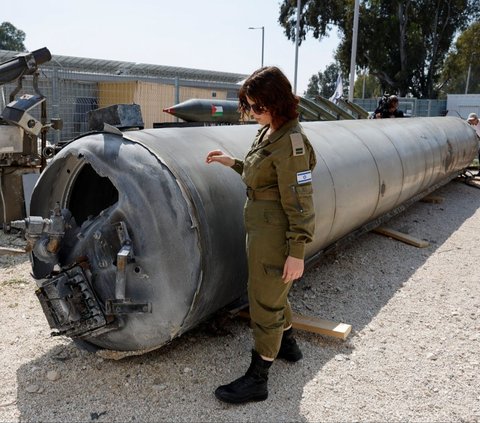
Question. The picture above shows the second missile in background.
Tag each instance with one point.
(206, 110)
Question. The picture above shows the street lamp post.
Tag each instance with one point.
(354, 50)
(297, 43)
(263, 37)
(469, 70)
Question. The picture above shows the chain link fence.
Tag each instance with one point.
(71, 94)
(409, 106)
(73, 87)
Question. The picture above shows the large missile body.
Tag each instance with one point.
(156, 242)
(201, 110)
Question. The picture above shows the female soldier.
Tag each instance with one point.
(279, 221)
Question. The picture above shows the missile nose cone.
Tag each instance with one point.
(170, 110)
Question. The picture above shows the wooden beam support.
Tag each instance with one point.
(392, 233)
(433, 199)
(315, 325)
(5, 251)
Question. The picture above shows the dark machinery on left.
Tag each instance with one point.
(22, 135)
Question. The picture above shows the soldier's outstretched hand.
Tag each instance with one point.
(220, 157)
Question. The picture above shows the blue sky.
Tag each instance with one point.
(204, 34)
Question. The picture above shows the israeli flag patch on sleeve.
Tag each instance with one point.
(304, 177)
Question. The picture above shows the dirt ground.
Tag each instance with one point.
(413, 354)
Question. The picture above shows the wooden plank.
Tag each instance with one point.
(321, 326)
(315, 325)
(433, 199)
(4, 251)
(392, 233)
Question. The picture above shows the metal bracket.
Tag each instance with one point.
(124, 256)
(115, 307)
(121, 305)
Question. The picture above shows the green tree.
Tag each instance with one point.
(11, 38)
(401, 42)
(367, 86)
(323, 83)
(464, 56)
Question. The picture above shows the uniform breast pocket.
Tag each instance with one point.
(260, 159)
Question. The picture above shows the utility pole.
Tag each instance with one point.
(297, 40)
(354, 50)
(469, 70)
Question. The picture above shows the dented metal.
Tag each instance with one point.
(158, 234)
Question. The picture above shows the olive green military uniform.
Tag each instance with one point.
(279, 220)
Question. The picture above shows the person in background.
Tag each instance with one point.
(389, 109)
(279, 220)
(473, 121)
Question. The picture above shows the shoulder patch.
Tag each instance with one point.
(304, 177)
(298, 146)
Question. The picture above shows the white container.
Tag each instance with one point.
(461, 105)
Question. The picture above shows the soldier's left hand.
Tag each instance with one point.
(293, 269)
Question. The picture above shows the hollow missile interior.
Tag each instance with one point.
(90, 194)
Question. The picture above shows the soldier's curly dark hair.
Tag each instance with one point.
(270, 89)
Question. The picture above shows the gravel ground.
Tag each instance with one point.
(413, 354)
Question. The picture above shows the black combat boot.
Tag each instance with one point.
(251, 387)
(289, 349)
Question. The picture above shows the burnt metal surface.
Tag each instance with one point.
(179, 255)
(70, 303)
(121, 116)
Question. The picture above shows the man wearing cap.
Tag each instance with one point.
(473, 121)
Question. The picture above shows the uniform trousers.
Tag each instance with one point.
(266, 225)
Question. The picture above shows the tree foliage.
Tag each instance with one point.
(11, 38)
(402, 42)
(323, 83)
(464, 56)
(367, 86)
